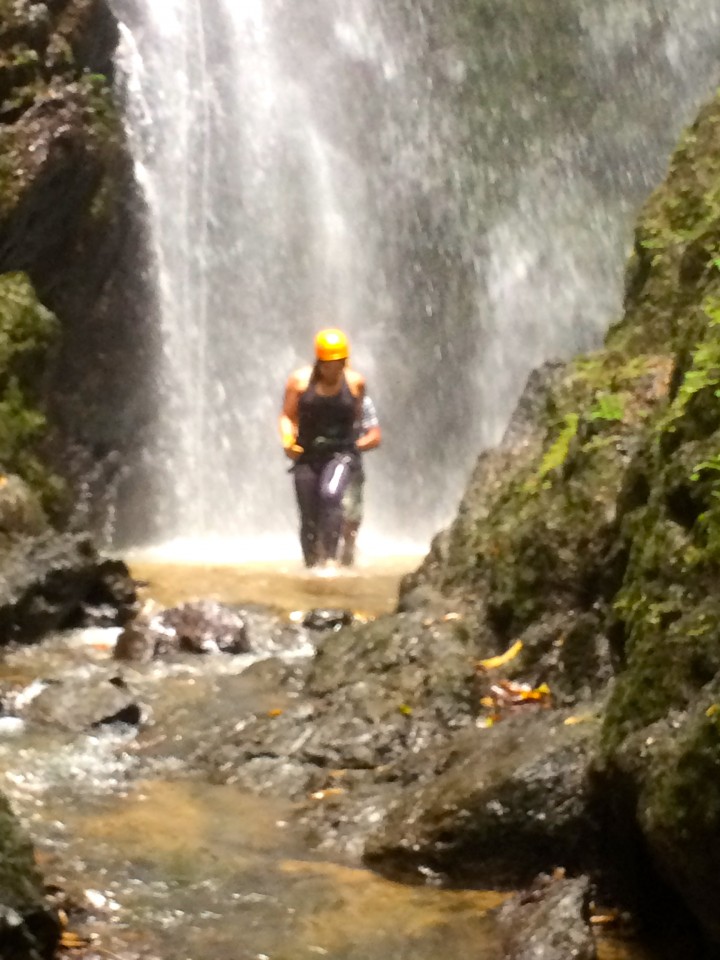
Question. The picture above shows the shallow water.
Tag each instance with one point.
(186, 870)
(371, 589)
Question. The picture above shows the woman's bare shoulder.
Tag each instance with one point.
(299, 379)
(355, 380)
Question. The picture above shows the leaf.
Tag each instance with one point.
(71, 941)
(502, 658)
(275, 713)
(405, 710)
(329, 792)
(580, 718)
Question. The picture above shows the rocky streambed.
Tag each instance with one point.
(205, 804)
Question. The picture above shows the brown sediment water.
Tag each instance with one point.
(205, 871)
(371, 589)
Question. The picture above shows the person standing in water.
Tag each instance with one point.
(321, 408)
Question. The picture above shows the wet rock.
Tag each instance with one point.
(448, 562)
(27, 927)
(202, 626)
(568, 651)
(372, 699)
(510, 802)
(548, 922)
(80, 704)
(327, 619)
(205, 626)
(113, 599)
(71, 223)
(48, 581)
(20, 509)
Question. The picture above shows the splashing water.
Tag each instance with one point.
(453, 183)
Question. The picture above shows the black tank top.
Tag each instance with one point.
(332, 418)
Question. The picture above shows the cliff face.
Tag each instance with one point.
(67, 212)
(602, 530)
(66, 225)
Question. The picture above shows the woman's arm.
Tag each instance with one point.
(370, 439)
(288, 421)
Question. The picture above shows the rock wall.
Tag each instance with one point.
(67, 241)
(68, 220)
(595, 540)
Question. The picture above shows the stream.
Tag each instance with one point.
(170, 866)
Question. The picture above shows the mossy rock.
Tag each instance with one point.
(540, 541)
(27, 927)
(27, 333)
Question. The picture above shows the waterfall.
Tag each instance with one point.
(452, 183)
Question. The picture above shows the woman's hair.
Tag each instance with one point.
(315, 372)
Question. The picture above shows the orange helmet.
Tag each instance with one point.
(331, 345)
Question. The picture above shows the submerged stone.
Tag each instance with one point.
(548, 922)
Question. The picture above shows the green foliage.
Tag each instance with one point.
(27, 331)
(704, 372)
(101, 110)
(712, 465)
(557, 454)
(608, 406)
(20, 425)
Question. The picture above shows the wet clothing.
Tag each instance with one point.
(322, 473)
(326, 425)
(368, 417)
(319, 488)
(353, 499)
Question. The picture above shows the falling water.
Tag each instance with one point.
(454, 183)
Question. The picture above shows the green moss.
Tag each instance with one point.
(27, 332)
(20, 881)
(682, 796)
(608, 406)
(558, 452)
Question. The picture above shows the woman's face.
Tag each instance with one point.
(330, 371)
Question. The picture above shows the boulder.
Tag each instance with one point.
(79, 704)
(49, 582)
(201, 626)
(512, 801)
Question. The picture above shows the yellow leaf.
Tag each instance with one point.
(712, 710)
(539, 693)
(329, 792)
(274, 713)
(71, 941)
(605, 919)
(581, 718)
(405, 710)
(485, 722)
(487, 702)
(502, 658)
